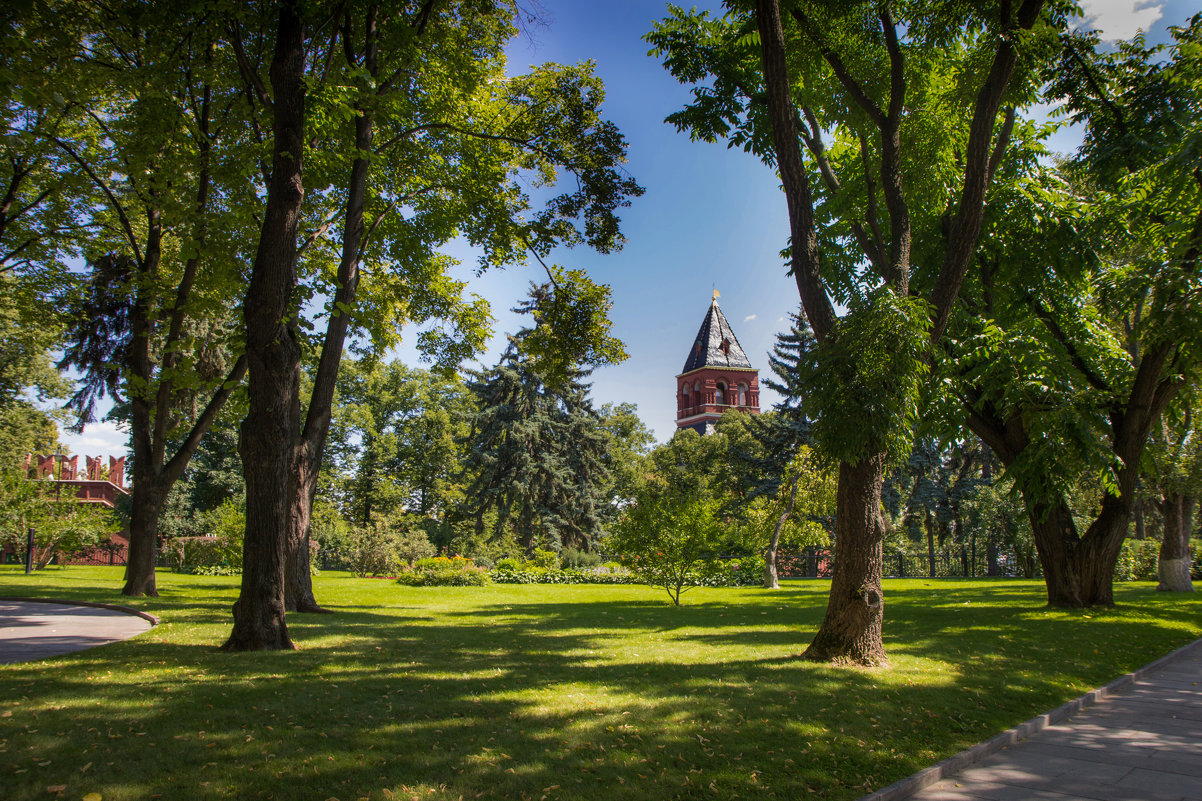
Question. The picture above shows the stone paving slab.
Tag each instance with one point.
(1137, 739)
(32, 630)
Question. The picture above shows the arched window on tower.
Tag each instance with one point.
(685, 399)
(720, 394)
(742, 394)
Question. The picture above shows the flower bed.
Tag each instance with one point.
(444, 571)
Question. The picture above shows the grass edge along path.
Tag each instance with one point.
(542, 692)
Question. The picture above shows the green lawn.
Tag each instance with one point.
(547, 691)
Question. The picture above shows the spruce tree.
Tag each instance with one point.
(536, 447)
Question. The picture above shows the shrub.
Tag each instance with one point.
(571, 557)
(443, 571)
(192, 554)
(610, 573)
(532, 575)
(542, 558)
(413, 544)
(216, 570)
(746, 571)
(387, 545)
(508, 563)
(373, 552)
(1137, 561)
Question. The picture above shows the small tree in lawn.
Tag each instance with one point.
(670, 535)
(670, 541)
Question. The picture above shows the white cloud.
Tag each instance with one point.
(98, 439)
(1120, 19)
(749, 318)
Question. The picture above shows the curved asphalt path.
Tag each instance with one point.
(32, 629)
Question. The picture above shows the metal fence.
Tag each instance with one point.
(108, 554)
(943, 563)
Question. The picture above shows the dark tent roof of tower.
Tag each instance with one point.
(708, 349)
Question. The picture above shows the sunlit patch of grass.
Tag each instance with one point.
(557, 691)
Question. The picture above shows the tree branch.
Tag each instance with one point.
(1096, 381)
(1115, 110)
(872, 214)
(840, 69)
(250, 75)
(811, 134)
(175, 468)
(966, 224)
(116, 204)
(1003, 139)
(804, 235)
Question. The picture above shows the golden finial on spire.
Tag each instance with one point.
(717, 294)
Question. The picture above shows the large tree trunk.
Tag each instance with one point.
(298, 581)
(147, 505)
(272, 425)
(1079, 571)
(851, 629)
(298, 589)
(1173, 565)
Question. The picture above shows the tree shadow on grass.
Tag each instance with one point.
(524, 695)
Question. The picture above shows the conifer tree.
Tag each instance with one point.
(537, 449)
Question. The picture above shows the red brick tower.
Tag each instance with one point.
(717, 376)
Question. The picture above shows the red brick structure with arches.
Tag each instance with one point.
(717, 376)
(99, 484)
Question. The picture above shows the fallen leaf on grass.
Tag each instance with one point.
(56, 788)
(92, 797)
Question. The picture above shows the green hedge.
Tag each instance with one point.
(532, 575)
(743, 572)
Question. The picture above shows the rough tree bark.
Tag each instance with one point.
(299, 583)
(851, 629)
(298, 594)
(153, 414)
(1079, 569)
(1173, 564)
(272, 425)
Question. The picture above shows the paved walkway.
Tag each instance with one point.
(32, 630)
(1137, 739)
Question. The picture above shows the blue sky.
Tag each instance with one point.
(710, 218)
